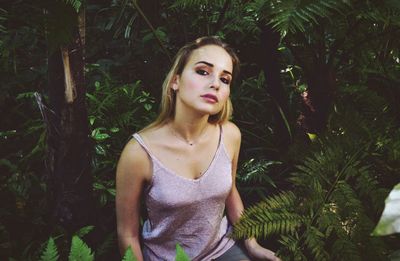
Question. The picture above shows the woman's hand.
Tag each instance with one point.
(258, 252)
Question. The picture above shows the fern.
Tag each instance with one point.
(129, 256)
(84, 231)
(76, 4)
(337, 195)
(80, 251)
(196, 3)
(257, 171)
(51, 252)
(297, 16)
(271, 216)
(315, 242)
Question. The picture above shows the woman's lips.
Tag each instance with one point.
(210, 97)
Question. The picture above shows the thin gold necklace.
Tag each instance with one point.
(191, 143)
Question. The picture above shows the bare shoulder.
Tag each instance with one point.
(232, 133)
(134, 162)
(232, 139)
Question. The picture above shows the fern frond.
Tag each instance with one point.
(295, 16)
(196, 3)
(344, 249)
(51, 252)
(129, 256)
(76, 4)
(291, 243)
(257, 171)
(315, 242)
(80, 251)
(84, 231)
(268, 217)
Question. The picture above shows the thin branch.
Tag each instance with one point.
(152, 29)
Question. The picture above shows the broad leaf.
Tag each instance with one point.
(390, 219)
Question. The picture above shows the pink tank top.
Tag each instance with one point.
(187, 211)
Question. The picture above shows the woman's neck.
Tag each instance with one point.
(191, 129)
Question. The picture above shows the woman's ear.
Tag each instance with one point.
(175, 83)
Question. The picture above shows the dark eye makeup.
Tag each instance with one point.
(205, 72)
(201, 72)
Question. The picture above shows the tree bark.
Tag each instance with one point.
(68, 154)
(270, 63)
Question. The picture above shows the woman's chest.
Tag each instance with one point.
(190, 162)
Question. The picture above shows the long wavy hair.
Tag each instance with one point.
(168, 98)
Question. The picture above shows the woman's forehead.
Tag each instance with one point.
(214, 55)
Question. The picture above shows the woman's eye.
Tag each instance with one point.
(225, 80)
(202, 72)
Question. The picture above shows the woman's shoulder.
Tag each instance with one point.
(231, 132)
(135, 160)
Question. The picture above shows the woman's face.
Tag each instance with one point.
(204, 84)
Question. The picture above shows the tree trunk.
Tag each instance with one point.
(270, 63)
(68, 155)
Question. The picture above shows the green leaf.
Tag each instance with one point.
(84, 231)
(114, 130)
(80, 251)
(390, 219)
(50, 253)
(100, 150)
(181, 254)
(129, 256)
(76, 4)
(101, 136)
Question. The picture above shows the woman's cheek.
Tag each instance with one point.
(225, 93)
(193, 83)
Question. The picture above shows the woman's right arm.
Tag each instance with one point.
(133, 169)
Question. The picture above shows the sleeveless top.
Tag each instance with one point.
(187, 211)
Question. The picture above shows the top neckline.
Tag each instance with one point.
(174, 173)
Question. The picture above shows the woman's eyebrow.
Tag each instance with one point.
(212, 65)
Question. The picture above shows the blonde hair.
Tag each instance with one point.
(168, 98)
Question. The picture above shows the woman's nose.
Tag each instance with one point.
(215, 83)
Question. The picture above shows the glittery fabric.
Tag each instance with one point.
(187, 211)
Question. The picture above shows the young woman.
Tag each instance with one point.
(185, 166)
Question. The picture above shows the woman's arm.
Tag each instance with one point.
(234, 204)
(132, 171)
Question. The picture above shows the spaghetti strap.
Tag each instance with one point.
(220, 134)
(139, 139)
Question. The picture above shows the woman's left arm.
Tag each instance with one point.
(234, 204)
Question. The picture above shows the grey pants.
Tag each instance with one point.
(236, 253)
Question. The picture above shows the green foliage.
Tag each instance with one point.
(115, 113)
(84, 231)
(296, 16)
(80, 251)
(129, 256)
(337, 195)
(389, 222)
(180, 254)
(76, 4)
(320, 201)
(271, 216)
(51, 252)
